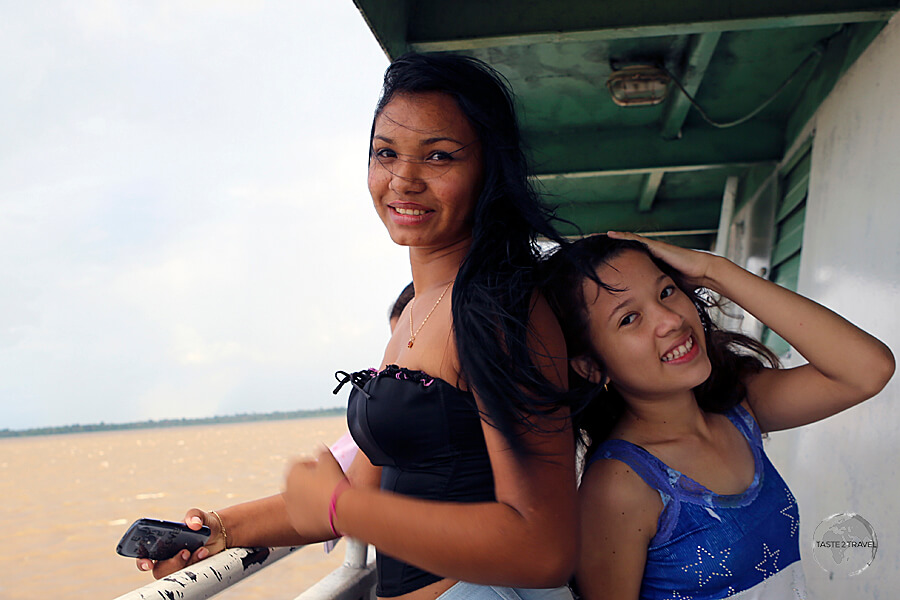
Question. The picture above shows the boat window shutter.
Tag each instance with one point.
(790, 215)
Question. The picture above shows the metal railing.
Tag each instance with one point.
(353, 580)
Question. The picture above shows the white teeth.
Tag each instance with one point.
(680, 350)
(410, 211)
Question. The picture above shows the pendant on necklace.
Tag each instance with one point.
(412, 304)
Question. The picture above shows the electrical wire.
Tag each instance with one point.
(818, 51)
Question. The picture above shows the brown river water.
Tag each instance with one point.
(67, 499)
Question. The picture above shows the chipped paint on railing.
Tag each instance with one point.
(211, 576)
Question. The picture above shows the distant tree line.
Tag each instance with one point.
(241, 418)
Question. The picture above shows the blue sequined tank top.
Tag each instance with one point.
(709, 545)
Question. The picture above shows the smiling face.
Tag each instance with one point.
(425, 172)
(649, 335)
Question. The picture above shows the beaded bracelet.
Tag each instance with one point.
(342, 486)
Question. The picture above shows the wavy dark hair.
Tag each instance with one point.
(732, 355)
(496, 283)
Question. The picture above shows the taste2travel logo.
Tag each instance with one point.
(844, 544)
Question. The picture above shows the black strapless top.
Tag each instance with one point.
(426, 436)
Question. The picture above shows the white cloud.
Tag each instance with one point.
(184, 224)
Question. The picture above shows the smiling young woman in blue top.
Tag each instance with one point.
(467, 466)
(678, 499)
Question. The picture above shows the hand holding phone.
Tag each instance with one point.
(160, 540)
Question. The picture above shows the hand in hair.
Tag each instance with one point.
(846, 364)
(695, 266)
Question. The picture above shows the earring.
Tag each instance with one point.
(605, 387)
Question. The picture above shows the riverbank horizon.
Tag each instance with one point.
(165, 423)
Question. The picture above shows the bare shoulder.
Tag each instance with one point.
(611, 488)
(618, 512)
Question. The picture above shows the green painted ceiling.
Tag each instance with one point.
(656, 169)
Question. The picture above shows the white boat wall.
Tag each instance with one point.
(850, 262)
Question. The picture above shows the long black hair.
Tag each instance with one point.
(732, 355)
(496, 283)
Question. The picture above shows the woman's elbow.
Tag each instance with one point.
(879, 370)
(555, 564)
(889, 364)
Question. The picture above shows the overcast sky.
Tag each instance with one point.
(185, 228)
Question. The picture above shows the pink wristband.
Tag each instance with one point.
(342, 486)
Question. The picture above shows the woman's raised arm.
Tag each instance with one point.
(845, 366)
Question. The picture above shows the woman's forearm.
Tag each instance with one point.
(489, 542)
(834, 346)
(262, 522)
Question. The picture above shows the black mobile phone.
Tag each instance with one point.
(159, 540)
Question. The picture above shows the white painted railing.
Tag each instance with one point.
(354, 580)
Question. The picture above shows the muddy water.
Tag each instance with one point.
(67, 499)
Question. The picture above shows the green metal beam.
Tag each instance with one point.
(552, 177)
(635, 149)
(388, 23)
(648, 193)
(700, 52)
(479, 24)
(624, 216)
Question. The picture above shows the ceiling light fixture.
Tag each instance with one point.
(638, 85)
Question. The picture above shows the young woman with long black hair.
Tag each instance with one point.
(467, 465)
